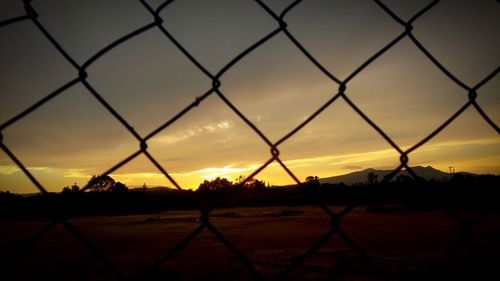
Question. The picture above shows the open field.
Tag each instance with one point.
(400, 245)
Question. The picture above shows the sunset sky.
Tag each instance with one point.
(148, 80)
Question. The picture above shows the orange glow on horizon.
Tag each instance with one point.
(322, 166)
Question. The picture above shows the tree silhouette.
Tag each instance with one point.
(312, 182)
(250, 184)
(73, 189)
(102, 183)
(215, 184)
(143, 188)
(119, 188)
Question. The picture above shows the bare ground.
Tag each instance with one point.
(398, 244)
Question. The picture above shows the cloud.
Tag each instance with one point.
(8, 169)
(217, 127)
(455, 143)
(346, 159)
(76, 173)
(11, 169)
(42, 169)
(193, 132)
(354, 160)
(180, 136)
(68, 173)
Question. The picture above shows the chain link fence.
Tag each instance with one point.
(205, 223)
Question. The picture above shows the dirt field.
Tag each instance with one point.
(400, 245)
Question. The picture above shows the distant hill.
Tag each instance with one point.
(427, 173)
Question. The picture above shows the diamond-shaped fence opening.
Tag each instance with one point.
(211, 30)
(53, 133)
(328, 134)
(459, 27)
(215, 136)
(256, 90)
(350, 37)
(342, 224)
(152, 95)
(41, 66)
(422, 97)
(83, 27)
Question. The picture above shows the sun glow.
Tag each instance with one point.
(224, 172)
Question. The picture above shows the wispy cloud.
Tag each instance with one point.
(217, 127)
(346, 159)
(193, 132)
(11, 169)
(354, 159)
(8, 169)
(42, 169)
(76, 173)
(455, 143)
(177, 137)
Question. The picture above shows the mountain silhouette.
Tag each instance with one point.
(428, 173)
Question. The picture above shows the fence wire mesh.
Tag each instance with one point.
(157, 22)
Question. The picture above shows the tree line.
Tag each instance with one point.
(104, 195)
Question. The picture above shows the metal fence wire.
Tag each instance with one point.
(407, 27)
